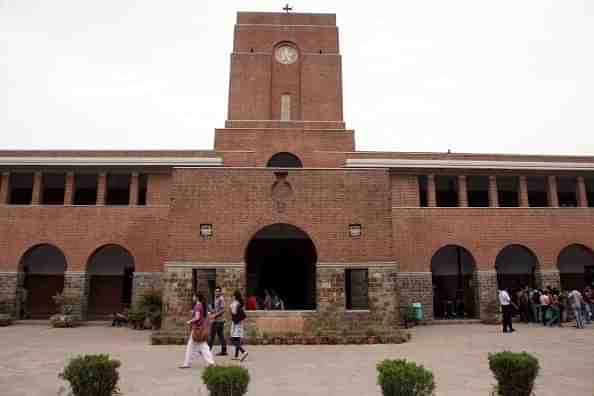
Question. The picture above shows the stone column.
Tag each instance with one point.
(69, 189)
(582, 195)
(101, 188)
(416, 287)
(552, 192)
(431, 199)
(493, 197)
(37, 187)
(523, 192)
(134, 189)
(76, 285)
(177, 300)
(4, 188)
(143, 281)
(8, 292)
(549, 277)
(462, 191)
(330, 290)
(384, 304)
(486, 283)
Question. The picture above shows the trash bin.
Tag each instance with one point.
(418, 308)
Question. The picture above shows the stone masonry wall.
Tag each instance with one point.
(8, 291)
(416, 287)
(144, 281)
(548, 278)
(486, 282)
(177, 298)
(76, 284)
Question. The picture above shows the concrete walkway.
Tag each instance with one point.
(32, 356)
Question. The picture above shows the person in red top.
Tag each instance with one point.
(198, 316)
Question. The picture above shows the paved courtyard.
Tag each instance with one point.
(32, 355)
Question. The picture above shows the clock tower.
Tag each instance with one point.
(285, 91)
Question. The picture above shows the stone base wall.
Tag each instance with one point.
(486, 282)
(548, 278)
(331, 318)
(144, 281)
(8, 292)
(76, 284)
(416, 287)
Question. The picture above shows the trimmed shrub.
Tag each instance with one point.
(92, 375)
(515, 372)
(402, 378)
(151, 303)
(60, 321)
(226, 380)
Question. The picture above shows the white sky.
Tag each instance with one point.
(469, 75)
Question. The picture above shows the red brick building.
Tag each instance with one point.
(285, 203)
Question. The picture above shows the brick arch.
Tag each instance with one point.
(284, 159)
(516, 265)
(453, 270)
(110, 271)
(572, 262)
(282, 257)
(41, 277)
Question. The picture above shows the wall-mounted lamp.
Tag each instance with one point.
(206, 230)
(355, 230)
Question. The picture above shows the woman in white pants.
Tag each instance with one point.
(198, 315)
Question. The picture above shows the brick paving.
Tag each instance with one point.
(32, 355)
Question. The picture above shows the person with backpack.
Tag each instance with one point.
(535, 299)
(237, 318)
(199, 327)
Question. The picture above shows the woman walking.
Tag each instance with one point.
(237, 318)
(198, 336)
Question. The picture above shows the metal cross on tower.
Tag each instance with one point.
(287, 8)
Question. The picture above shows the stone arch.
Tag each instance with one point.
(284, 160)
(516, 266)
(454, 288)
(282, 257)
(576, 267)
(41, 276)
(110, 271)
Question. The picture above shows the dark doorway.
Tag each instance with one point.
(574, 263)
(515, 266)
(454, 296)
(282, 257)
(111, 273)
(43, 267)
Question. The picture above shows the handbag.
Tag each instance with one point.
(200, 332)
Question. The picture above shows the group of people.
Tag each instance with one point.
(270, 301)
(213, 318)
(547, 306)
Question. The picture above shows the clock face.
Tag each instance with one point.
(286, 54)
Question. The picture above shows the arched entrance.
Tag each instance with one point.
(454, 296)
(282, 257)
(576, 267)
(284, 160)
(42, 268)
(515, 266)
(111, 270)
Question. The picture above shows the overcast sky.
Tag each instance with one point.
(509, 76)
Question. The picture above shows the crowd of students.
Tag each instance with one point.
(548, 306)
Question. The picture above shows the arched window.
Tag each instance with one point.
(284, 160)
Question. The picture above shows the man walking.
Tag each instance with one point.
(545, 302)
(575, 300)
(506, 308)
(218, 324)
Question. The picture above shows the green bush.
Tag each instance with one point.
(226, 380)
(402, 378)
(65, 303)
(515, 372)
(92, 375)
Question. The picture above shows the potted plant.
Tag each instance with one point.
(136, 317)
(151, 302)
(371, 335)
(492, 313)
(66, 305)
